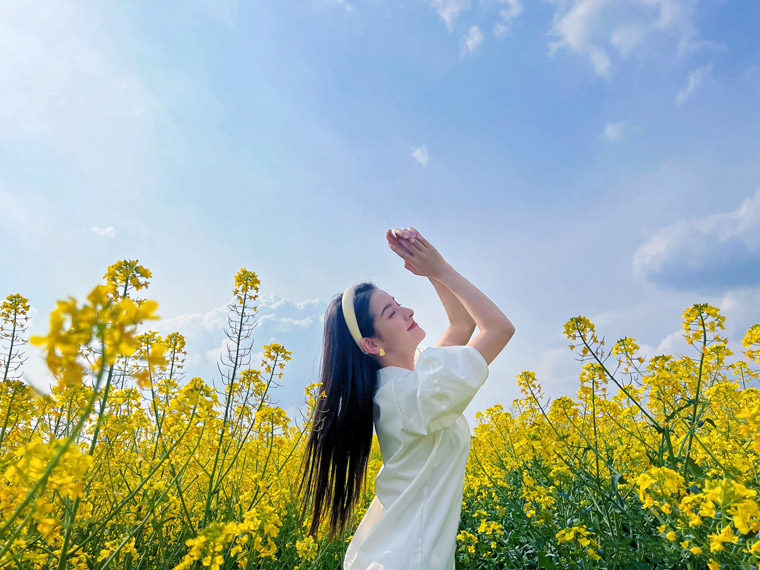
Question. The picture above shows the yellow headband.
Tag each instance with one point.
(350, 316)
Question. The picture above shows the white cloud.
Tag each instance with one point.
(283, 323)
(449, 10)
(575, 28)
(214, 355)
(508, 15)
(271, 308)
(740, 309)
(193, 324)
(673, 344)
(719, 252)
(695, 79)
(305, 322)
(620, 130)
(108, 232)
(558, 371)
(276, 301)
(421, 154)
(308, 303)
(625, 38)
(589, 28)
(471, 40)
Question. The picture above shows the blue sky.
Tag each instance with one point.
(569, 157)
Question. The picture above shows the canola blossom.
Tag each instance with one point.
(128, 463)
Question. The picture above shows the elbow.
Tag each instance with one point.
(502, 329)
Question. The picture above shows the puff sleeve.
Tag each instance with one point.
(448, 377)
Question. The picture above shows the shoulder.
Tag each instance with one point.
(462, 359)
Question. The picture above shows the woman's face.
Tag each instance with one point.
(395, 326)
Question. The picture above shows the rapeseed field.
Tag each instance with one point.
(132, 463)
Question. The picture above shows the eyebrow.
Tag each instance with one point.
(386, 306)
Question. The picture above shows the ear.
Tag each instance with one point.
(370, 346)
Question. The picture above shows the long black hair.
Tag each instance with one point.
(337, 452)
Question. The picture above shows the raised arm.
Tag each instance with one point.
(495, 328)
(423, 259)
(461, 326)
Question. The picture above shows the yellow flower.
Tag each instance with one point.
(48, 528)
(306, 548)
(725, 535)
(746, 516)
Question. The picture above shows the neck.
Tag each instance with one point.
(400, 360)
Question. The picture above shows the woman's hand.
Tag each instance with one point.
(419, 256)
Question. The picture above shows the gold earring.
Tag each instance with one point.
(382, 352)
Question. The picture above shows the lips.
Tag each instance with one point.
(411, 327)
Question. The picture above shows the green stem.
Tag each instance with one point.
(42, 481)
(10, 350)
(8, 413)
(71, 518)
(618, 384)
(693, 425)
(212, 486)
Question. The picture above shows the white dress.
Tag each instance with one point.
(424, 439)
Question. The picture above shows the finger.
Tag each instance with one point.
(414, 245)
(403, 236)
(420, 238)
(395, 240)
(401, 251)
(411, 241)
(404, 233)
(407, 246)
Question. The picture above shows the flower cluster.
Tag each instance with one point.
(654, 462)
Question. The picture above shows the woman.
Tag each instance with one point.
(369, 376)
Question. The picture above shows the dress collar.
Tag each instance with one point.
(385, 374)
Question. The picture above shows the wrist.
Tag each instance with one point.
(445, 271)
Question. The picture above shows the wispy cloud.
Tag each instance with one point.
(595, 29)
(696, 78)
(715, 253)
(507, 15)
(107, 232)
(626, 37)
(288, 321)
(421, 155)
(449, 10)
(575, 28)
(471, 40)
(621, 130)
